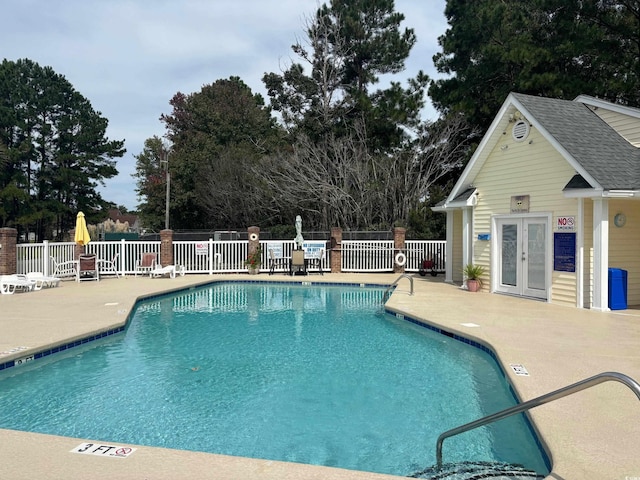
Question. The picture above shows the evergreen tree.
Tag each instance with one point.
(54, 152)
(554, 48)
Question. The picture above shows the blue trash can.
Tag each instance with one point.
(617, 289)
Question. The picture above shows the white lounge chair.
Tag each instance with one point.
(9, 284)
(170, 270)
(42, 281)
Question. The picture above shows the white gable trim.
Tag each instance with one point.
(598, 103)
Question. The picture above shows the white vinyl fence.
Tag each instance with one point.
(211, 256)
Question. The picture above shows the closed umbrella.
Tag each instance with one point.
(82, 234)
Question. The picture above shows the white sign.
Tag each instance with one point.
(519, 370)
(276, 247)
(566, 224)
(202, 248)
(113, 451)
(312, 249)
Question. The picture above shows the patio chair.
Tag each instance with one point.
(316, 261)
(64, 269)
(274, 261)
(87, 268)
(146, 264)
(298, 264)
(9, 284)
(108, 267)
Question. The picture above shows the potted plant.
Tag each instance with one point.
(472, 274)
(253, 261)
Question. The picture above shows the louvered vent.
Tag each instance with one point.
(520, 130)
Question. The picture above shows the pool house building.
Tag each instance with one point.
(548, 203)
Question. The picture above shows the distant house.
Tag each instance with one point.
(549, 202)
(116, 216)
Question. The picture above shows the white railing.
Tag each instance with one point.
(229, 256)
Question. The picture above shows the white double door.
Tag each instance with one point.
(522, 256)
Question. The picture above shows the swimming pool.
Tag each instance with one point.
(340, 383)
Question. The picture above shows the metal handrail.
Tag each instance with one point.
(404, 275)
(549, 397)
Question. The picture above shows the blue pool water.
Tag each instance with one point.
(311, 374)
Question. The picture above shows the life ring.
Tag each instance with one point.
(401, 259)
(253, 237)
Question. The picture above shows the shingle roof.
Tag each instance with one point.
(605, 155)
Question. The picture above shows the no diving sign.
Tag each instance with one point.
(112, 451)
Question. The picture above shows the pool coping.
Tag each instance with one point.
(448, 308)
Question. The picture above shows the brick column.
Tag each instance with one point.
(336, 250)
(8, 251)
(166, 247)
(399, 234)
(254, 242)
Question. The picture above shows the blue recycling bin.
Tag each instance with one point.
(617, 289)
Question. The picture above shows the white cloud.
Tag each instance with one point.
(129, 57)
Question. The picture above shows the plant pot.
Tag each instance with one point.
(253, 271)
(473, 285)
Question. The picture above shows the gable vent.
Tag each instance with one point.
(520, 130)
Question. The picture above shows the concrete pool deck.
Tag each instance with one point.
(592, 434)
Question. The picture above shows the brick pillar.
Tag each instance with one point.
(254, 241)
(399, 235)
(166, 247)
(8, 251)
(336, 250)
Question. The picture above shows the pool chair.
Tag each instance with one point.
(42, 281)
(9, 284)
(64, 269)
(87, 268)
(171, 270)
(145, 264)
(109, 267)
(275, 261)
(298, 265)
(316, 261)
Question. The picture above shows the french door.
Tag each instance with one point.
(522, 248)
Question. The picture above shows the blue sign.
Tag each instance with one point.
(564, 252)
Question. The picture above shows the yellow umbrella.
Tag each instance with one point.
(82, 234)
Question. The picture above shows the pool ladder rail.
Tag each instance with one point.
(387, 292)
(549, 397)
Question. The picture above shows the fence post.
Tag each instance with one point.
(336, 250)
(212, 256)
(8, 251)
(399, 234)
(123, 257)
(166, 247)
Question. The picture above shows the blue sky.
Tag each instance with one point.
(129, 57)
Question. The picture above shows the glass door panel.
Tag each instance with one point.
(522, 256)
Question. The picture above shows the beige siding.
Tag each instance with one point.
(533, 168)
(625, 125)
(624, 245)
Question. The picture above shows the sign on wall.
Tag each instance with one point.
(520, 204)
(566, 224)
(564, 252)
